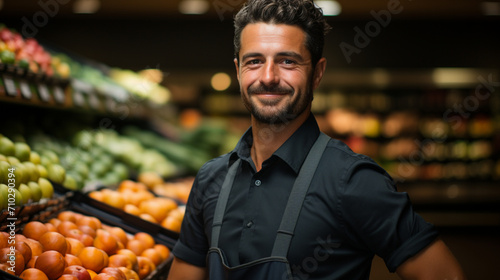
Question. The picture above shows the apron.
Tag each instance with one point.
(276, 266)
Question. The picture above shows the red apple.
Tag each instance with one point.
(79, 271)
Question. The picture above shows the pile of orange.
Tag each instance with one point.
(136, 198)
(73, 246)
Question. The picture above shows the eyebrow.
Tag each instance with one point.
(289, 54)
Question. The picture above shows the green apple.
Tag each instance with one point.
(25, 193)
(36, 191)
(46, 187)
(7, 147)
(4, 193)
(51, 156)
(35, 157)
(70, 182)
(19, 197)
(42, 171)
(3, 158)
(22, 151)
(4, 172)
(56, 173)
(32, 171)
(13, 160)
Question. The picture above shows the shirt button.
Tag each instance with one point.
(249, 224)
(258, 182)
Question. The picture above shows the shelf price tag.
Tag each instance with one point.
(25, 89)
(94, 101)
(44, 92)
(59, 94)
(78, 99)
(10, 85)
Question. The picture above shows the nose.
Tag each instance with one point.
(270, 74)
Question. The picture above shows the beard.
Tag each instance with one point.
(271, 111)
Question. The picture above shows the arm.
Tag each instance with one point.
(434, 262)
(182, 270)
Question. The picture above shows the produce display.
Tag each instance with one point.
(137, 198)
(28, 54)
(75, 244)
(25, 175)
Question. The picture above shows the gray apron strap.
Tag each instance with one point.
(299, 190)
(220, 208)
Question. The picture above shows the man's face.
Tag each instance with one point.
(275, 72)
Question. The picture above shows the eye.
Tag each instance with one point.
(253, 61)
(288, 61)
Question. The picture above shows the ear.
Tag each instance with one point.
(319, 70)
(237, 68)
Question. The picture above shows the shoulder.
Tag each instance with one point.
(344, 163)
(212, 173)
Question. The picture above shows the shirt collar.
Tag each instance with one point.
(293, 151)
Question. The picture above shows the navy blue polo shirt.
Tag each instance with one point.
(351, 212)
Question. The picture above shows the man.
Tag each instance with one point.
(240, 222)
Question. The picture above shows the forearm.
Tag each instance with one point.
(181, 270)
(436, 262)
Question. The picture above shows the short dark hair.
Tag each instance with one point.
(301, 13)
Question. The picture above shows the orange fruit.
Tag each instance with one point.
(147, 217)
(54, 241)
(97, 195)
(130, 273)
(145, 238)
(150, 179)
(36, 247)
(31, 263)
(34, 230)
(86, 239)
(106, 242)
(130, 255)
(24, 249)
(19, 262)
(92, 222)
(72, 260)
(92, 273)
(153, 256)
(55, 221)
(120, 234)
(135, 246)
(88, 230)
(163, 250)
(67, 216)
(93, 258)
(114, 198)
(132, 209)
(4, 241)
(33, 274)
(51, 227)
(146, 266)
(65, 226)
(119, 260)
(172, 224)
(76, 246)
(52, 263)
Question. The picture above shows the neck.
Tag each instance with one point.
(267, 138)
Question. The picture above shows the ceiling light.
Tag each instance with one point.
(221, 81)
(329, 7)
(86, 6)
(490, 8)
(193, 7)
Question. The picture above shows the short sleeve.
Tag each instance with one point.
(379, 218)
(192, 245)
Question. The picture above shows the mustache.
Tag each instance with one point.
(270, 89)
